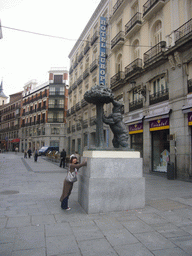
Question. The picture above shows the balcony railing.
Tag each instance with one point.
(119, 77)
(159, 96)
(137, 104)
(73, 128)
(189, 85)
(80, 79)
(152, 5)
(70, 70)
(133, 67)
(86, 73)
(94, 37)
(93, 65)
(74, 85)
(83, 103)
(92, 120)
(154, 52)
(85, 123)
(78, 126)
(55, 120)
(117, 39)
(117, 5)
(86, 48)
(73, 110)
(136, 19)
(68, 112)
(184, 30)
(80, 57)
(77, 106)
(75, 64)
(56, 106)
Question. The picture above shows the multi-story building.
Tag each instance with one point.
(3, 97)
(43, 114)
(9, 123)
(84, 73)
(149, 67)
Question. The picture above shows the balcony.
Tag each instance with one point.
(86, 73)
(133, 25)
(117, 41)
(74, 85)
(133, 67)
(117, 5)
(68, 112)
(184, 31)
(83, 103)
(117, 79)
(77, 106)
(92, 120)
(70, 70)
(93, 65)
(86, 48)
(151, 7)
(73, 110)
(85, 123)
(155, 54)
(189, 85)
(134, 105)
(159, 96)
(56, 106)
(78, 126)
(80, 57)
(94, 37)
(75, 64)
(55, 120)
(68, 130)
(73, 128)
(80, 79)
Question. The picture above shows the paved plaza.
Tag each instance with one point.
(33, 224)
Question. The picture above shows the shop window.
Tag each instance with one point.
(137, 142)
(160, 150)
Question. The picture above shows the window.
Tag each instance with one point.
(156, 33)
(58, 79)
(136, 50)
(54, 130)
(119, 63)
(159, 85)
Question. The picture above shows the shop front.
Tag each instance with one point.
(159, 129)
(136, 137)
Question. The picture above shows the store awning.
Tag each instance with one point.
(187, 109)
(15, 140)
(163, 114)
(135, 120)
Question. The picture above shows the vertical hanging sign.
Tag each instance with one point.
(102, 58)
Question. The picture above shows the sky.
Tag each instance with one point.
(26, 56)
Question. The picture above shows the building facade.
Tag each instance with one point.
(84, 73)
(149, 68)
(43, 113)
(9, 123)
(151, 54)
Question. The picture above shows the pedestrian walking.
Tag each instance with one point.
(25, 154)
(29, 152)
(16, 150)
(35, 155)
(62, 158)
(67, 186)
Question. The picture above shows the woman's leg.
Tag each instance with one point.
(64, 203)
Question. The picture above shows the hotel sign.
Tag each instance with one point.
(102, 57)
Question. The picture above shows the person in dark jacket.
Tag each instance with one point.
(35, 155)
(62, 158)
(29, 152)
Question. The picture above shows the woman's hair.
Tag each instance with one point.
(73, 157)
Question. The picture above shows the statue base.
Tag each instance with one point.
(112, 181)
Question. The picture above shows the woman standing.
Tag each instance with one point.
(67, 186)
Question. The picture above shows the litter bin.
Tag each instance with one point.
(170, 171)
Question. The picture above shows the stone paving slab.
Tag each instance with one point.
(33, 224)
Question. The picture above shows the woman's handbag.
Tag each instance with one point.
(71, 177)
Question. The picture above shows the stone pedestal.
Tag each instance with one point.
(112, 181)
